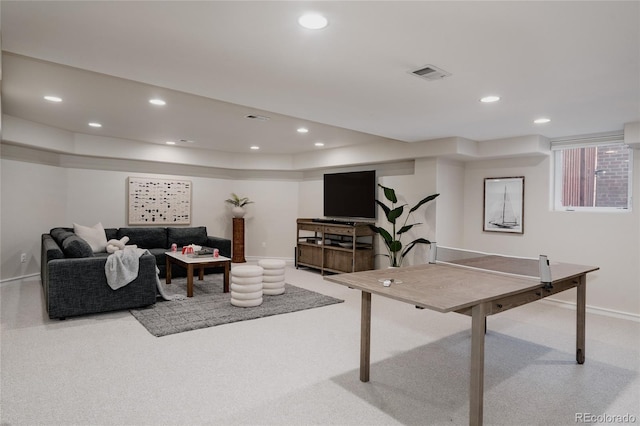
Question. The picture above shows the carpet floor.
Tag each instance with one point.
(302, 368)
(210, 307)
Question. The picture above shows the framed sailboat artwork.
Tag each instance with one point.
(504, 205)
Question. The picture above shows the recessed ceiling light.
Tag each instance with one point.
(255, 148)
(94, 124)
(319, 144)
(170, 142)
(53, 98)
(303, 130)
(313, 21)
(489, 99)
(541, 120)
(157, 102)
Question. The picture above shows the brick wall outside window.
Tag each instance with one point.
(595, 176)
(612, 170)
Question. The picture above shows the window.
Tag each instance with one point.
(592, 173)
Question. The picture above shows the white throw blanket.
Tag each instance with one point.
(122, 266)
(164, 295)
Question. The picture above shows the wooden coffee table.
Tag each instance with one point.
(189, 263)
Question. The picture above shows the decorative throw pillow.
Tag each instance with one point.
(94, 235)
(75, 246)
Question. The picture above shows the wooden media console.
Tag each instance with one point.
(335, 247)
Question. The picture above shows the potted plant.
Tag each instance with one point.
(396, 251)
(238, 204)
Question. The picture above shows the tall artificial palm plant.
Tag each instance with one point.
(396, 251)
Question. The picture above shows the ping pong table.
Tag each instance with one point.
(479, 287)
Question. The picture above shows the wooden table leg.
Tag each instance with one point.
(581, 307)
(168, 269)
(225, 287)
(189, 280)
(476, 390)
(201, 273)
(365, 337)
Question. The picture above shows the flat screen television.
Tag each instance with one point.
(350, 195)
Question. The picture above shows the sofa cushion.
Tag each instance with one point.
(111, 233)
(94, 235)
(60, 234)
(185, 236)
(75, 246)
(146, 238)
(158, 253)
(60, 229)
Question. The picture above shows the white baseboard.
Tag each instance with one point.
(18, 278)
(595, 310)
(254, 259)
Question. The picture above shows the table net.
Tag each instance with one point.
(537, 268)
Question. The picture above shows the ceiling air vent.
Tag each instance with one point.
(256, 117)
(431, 73)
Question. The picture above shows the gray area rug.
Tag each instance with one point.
(209, 306)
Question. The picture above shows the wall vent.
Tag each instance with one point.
(256, 117)
(431, 73)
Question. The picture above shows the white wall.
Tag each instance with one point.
(33, 201)
(410, 189)
(37, 197)
(271, 221)
(450, 203)
(310, 202)
(412, 182)
(266, 221)
(607, 240)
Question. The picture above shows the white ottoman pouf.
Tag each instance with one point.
(272, 276)
(246, 286)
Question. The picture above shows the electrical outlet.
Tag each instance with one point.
(23, 257)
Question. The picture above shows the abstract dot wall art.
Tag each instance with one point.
(159, 201)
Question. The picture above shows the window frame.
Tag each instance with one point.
(602, 139)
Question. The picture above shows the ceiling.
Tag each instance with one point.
(215, 62)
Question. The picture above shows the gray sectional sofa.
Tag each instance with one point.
(74, 280)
